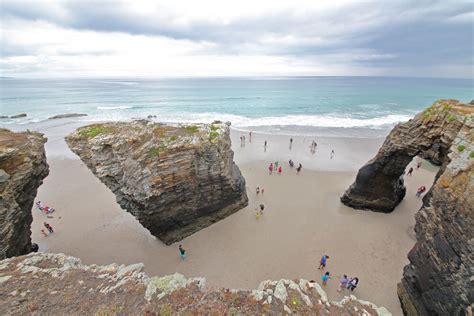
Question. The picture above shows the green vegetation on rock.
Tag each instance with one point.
(471, 154)
(213, 135)
(461, 148)
(191, 129)
(94, 130)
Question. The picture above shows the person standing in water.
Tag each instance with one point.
(323, 262)
(276, 165)
(291, 143)
(279, 170)
(250, 136)
(265, 146)
(326, 278)
(299, 169)
(332, 154)
(182, 252)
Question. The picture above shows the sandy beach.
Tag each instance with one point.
(303, 220)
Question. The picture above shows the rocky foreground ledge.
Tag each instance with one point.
(175, 180)
(22, 170)
(57, 284)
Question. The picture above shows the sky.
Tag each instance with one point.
(236, 38)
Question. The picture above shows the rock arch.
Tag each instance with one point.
(379, 184)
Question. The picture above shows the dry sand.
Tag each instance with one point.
(303, 220)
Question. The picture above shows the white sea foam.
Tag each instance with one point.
(118, 107)
(244, 121)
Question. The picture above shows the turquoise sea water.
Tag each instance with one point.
(367, 102)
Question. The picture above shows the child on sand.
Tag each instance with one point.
(343, 283)
(182, 252)
(323, 261)
(326, 278)
(279, 170)
(44, 233)
(270, 168)
(420, 191)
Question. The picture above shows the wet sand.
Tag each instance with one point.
(303, 220)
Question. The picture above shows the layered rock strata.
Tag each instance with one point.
(22, 170)
(379, 184)
(57, 284)
(175, 180)
(439, 278)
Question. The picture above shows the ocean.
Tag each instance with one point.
(297, 104)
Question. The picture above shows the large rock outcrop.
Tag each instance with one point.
(22, 170)
(56, 284)
(379, 184)
(439, 278)
(175, 180)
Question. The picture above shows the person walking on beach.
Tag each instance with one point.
(250, 136)
(299, 169)
(276, 165)
(279, 170)
(291, 163)
(343, 283)
(182, 252)
(353, 283)
(291, 143)
(323, 262)
(262, 190)
(332, 154)
(270, 168)
(45, 234)
(410, 171)
(265, 146)
(326, 278)
(258, 191)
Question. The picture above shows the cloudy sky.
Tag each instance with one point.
(236, 38)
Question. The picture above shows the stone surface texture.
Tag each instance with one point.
(379, 184)
(175, 180)
(439, 278)
(56, 284)
(22, 170)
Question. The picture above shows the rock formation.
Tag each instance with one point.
(438, 280)
(67, 115)
(18, 115)
(57, 284)
(379, 185)
(174, 180)
(22, 170)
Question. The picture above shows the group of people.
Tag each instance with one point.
(44, 208)
(421, 189)
(344, 282)
(275, 167)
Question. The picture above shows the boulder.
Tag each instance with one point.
(18, 115)
(175, 180)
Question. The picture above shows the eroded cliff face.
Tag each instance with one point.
(379, 184)
(174, 180)
(22, 170)
(59, 284)
(438, 280)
